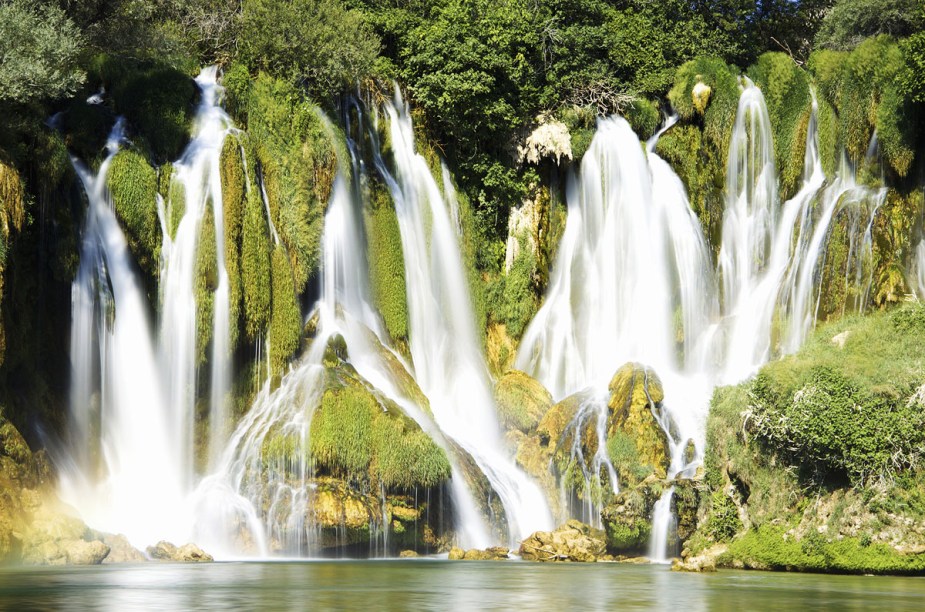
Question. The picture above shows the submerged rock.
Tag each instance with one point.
(188, 553)
(573, 541)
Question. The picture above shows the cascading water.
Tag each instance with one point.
(448, 363)
(121, 473)
(632, 253)
(130, 465)
(920, 268)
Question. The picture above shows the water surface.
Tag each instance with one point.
(428, 584)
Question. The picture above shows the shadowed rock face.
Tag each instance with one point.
(573, 541)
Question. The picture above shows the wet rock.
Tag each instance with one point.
(493, 553)
(408, 554)
(703, 562)
(635, 393)
(628, 519)
(573, 541)
(188, 553)
(120, 549)
(522, 401)
(456, 554)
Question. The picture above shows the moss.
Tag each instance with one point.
(521, 401)
(206, 283)
(386, 264)
(132, 183)
(827, 131)
(723, 523)
(701, 167)
(635, 392)
(899, 129)
(234, 199)
(285, 318)
(643, 116)
(623, 454)
(297, 152)
(512, 297)
(86, 128)
(357, 438)
(628, 538)
(255, 267)
(719, 117)
(771, 548)
(157, 100)
(581, 123)
(786, 91)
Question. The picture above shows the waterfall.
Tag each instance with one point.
(920, 268)
(129, 467)
(663, 523)
(448, 362)
(121, 472)
(197, 173)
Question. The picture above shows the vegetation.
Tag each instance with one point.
(132, 183)
(387, 264)
(286, 319)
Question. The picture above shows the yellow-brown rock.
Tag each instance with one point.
(635, 391)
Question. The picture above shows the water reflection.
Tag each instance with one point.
(439, 585)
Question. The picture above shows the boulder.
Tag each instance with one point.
(188, 553)
(120, 549)
(408, 554)
(628, 519)
(573, 541)
(635, 396)
(522, 401)
(456, 554)
(493, 553)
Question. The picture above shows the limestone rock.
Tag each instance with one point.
(80, 552)
(628, 519)
(700, 96)
(522, 401)
(493, 553)
(456, 554)
(635, 392)
(188, 553)
(120, 549)
(573, 541)
(408, 554)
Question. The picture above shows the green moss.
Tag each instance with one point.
(899, 129)
(297, 152)
(623, 454)
(521, 401)
(357, 438)
(132, 182)
(285, 318)
(628, 538)
(206, 283)
(255, 267)
(827, 131)
(719, 116)
(234, 199)
(786, 91)
(386, 264)
(512, 296)
(770, 548)
(644, 117)
(701, 167)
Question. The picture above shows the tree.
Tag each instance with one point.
(851, 21)
(39, 46)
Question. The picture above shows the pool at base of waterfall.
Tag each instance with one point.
(433, 584)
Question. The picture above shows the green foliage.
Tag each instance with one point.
(40, 48)
(315, 43)
(355, 437)
(723, 523)
(865, 88)
(719, 115)
(851, 21)
(786, 91)
(206, 282)
(512, 297)
(255, 267)
(285, 317)
(643, 116)
(851, 412)
(912, 76)
(132, 182)
(156, 99)
(769, 547)
(633, 537)
(298, 155)
(386, 264)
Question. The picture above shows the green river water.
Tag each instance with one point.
(428, 584)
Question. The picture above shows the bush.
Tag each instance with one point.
(854, 412)
(849, 22)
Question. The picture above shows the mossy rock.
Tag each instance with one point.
(255, 268)
(386, 263)
(285, 316)
(628, 518)
(521, 400)
(132, 183)
(719, 116)
(363, 438)
(206, 282)
(554, 423)
(635, 391)
(234, 200)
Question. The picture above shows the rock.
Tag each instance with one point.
(522, 401)
(493, 553)
(456, 554)
(839, 340)
(628, 519)
(188, 553)
(408, 554)
(121, 550)
(500, 349)
(552, 426)
(573, 541)
(79, 552)
(703, 562)
(700, 96)
(635, 392)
